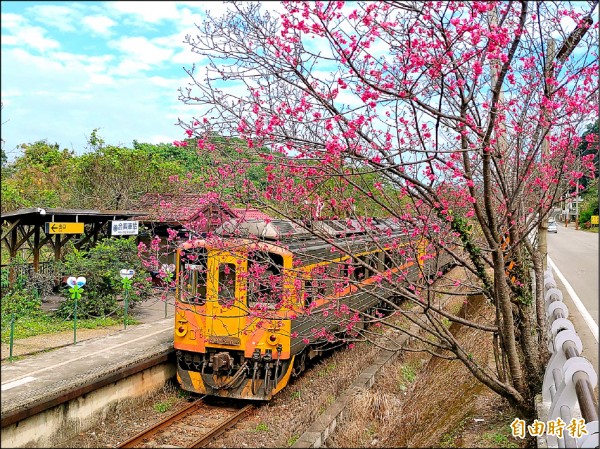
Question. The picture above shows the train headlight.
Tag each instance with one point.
(181, 328)
(272, 339)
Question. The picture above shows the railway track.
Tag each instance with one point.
(194, 426)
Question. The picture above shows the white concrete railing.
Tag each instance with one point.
(569, 380)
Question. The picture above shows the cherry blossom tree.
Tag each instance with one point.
(460, 120)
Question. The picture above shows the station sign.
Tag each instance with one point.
(123, 227)
(54, 227)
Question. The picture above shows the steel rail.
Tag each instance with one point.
(227, 424)
(149, 432)
(139, 439)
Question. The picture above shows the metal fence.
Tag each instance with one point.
(567, 399)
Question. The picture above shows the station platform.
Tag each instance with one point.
(42, 380)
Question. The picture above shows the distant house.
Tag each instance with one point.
(183, 212)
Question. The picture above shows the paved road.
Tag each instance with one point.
(575, 254)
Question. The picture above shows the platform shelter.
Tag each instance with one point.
(33, 228)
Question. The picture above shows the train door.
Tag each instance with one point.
(226, 308)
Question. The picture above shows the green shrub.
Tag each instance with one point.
(21, 302)
(585, 217)
(100, 266)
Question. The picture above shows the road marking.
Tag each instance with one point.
(143, 337)
(16, 383)
(584, 313)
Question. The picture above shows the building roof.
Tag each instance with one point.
(188, 209)
(39, 215)
(192, 210)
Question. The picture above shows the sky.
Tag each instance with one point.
(68, 68)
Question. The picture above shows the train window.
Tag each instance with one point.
(226, 283)
(361, 272)
(379, 261)
(194, 284)
(265, 283)
(321, 281)
(312, 291)
(339, 277)
(192, 277)
(265, 289)
(387, 260)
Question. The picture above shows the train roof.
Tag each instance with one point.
(312, 241)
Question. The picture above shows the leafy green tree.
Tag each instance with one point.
(37, 178)
(589, 146)
(589, 205)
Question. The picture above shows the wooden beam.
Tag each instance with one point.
(10, 228)
(13, 245)
(86, 237)
(57, 248)
(25, 235)
(36, 249)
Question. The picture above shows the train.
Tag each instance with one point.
(259, 299)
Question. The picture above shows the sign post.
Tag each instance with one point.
(76, 289)
(169, 270)
(126, 276)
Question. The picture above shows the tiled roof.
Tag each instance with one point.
(192, 210)
(251, 214)
(183, 209)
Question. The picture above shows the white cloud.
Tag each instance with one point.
(9, 40)
(62, 17)
(32, 37)
(152, 12)
(52, 88)
(11, 20)
(128, 68)
(142, 49)
(161, 138)
(101, 79)
(187, 58)
(99, 24)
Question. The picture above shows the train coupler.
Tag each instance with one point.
(221, 361)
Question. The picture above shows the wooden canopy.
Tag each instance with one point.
(26, 228)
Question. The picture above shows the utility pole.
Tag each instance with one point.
(565, 50)
(577, 205)
(543, 226)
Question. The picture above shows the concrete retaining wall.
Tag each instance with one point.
(60, 423)
(323, 427)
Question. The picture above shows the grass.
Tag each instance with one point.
(162, 407)
(296, 395)
(31, 326)
(262, 427)
(500, 438)
(449, 439)
(330, 368)
(408, 374)
(292, 440)
(330, 400)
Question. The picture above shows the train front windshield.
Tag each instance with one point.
(193, 276)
